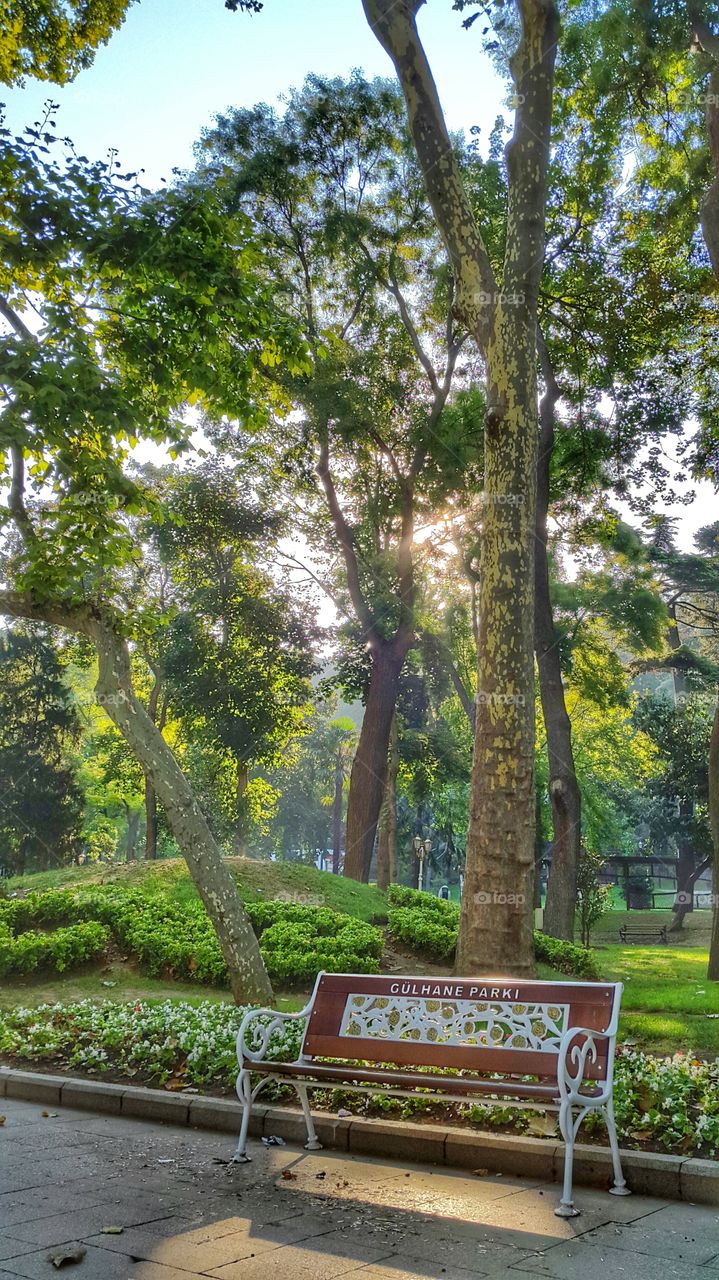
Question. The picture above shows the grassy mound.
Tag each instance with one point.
(257, 882)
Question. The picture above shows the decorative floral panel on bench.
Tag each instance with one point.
(498, 1024)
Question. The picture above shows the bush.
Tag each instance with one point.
(423, 932)
(429, 926)
(178, 940)
(55, 952)
(566, 957)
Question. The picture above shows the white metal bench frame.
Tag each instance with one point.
(577, 1048)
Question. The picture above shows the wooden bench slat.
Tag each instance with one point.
(337, 1073)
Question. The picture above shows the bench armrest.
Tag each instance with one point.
(257, 1028)
(570, 1081)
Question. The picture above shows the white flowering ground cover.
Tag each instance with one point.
(663, 1104)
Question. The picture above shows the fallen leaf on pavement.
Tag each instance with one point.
(112, 1231)
(66, 1257)
(289, 1176)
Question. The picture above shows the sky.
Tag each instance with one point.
(175, 63)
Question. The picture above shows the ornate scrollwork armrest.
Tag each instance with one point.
(576, 1055)
(257, 1029)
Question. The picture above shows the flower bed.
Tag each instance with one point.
(661, 1104)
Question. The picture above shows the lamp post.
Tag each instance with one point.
(419, 854)
(427, 851)
(422, 849)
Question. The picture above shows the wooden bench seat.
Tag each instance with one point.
(636, 934)
(547, 1045)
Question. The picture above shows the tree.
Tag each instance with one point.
(56, 39)
(594, 898)
(501, 316)
(41, 804)
(335, 195)
(235, 655)
(310, 788)
(143, 303)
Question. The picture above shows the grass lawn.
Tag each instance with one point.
(123, 983)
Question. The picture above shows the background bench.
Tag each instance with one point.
(640, 934)
(550, 1043)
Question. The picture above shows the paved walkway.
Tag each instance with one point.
(74, 1177)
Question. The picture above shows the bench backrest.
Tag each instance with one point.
(483, 1025)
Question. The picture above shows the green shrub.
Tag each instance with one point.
(424, 932)
(429, 926)
(55, 952)
(566, 957)
(178, 941)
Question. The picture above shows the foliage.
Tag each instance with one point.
(41, 810)
(178, 940)
(429, 926)
(54, 39)
(566, 957)
(594, 898)
(57, 951)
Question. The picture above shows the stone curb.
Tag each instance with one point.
(647, 1172)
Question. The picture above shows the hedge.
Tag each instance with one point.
(429, 926)
(178, 941)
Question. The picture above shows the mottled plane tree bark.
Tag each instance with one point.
(496, 922)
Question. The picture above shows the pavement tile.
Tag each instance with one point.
(400, 1268)
(86, 1222)
(581, 1261)
(685, 1245)
(98, 1264)
(10, 1247)
(290, 1263)
(685, 1217)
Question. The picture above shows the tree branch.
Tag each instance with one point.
(346, 541)
(394, 24)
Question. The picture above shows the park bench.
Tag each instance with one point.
(548, 1045)
(641, 934)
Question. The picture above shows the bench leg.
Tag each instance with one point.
(620, 1187)
(312, 1143)
(244, 1093)
(565, 1208)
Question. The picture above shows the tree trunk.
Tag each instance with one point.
(369, 767)
(686, 858)
(387, 844)
(240, 838)
(713, 970)
(687, 872)
(158, 715)
(150, 821)
(564, 794)
(497, 915)
(133, 826)
(337, 813)
(217, 889)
